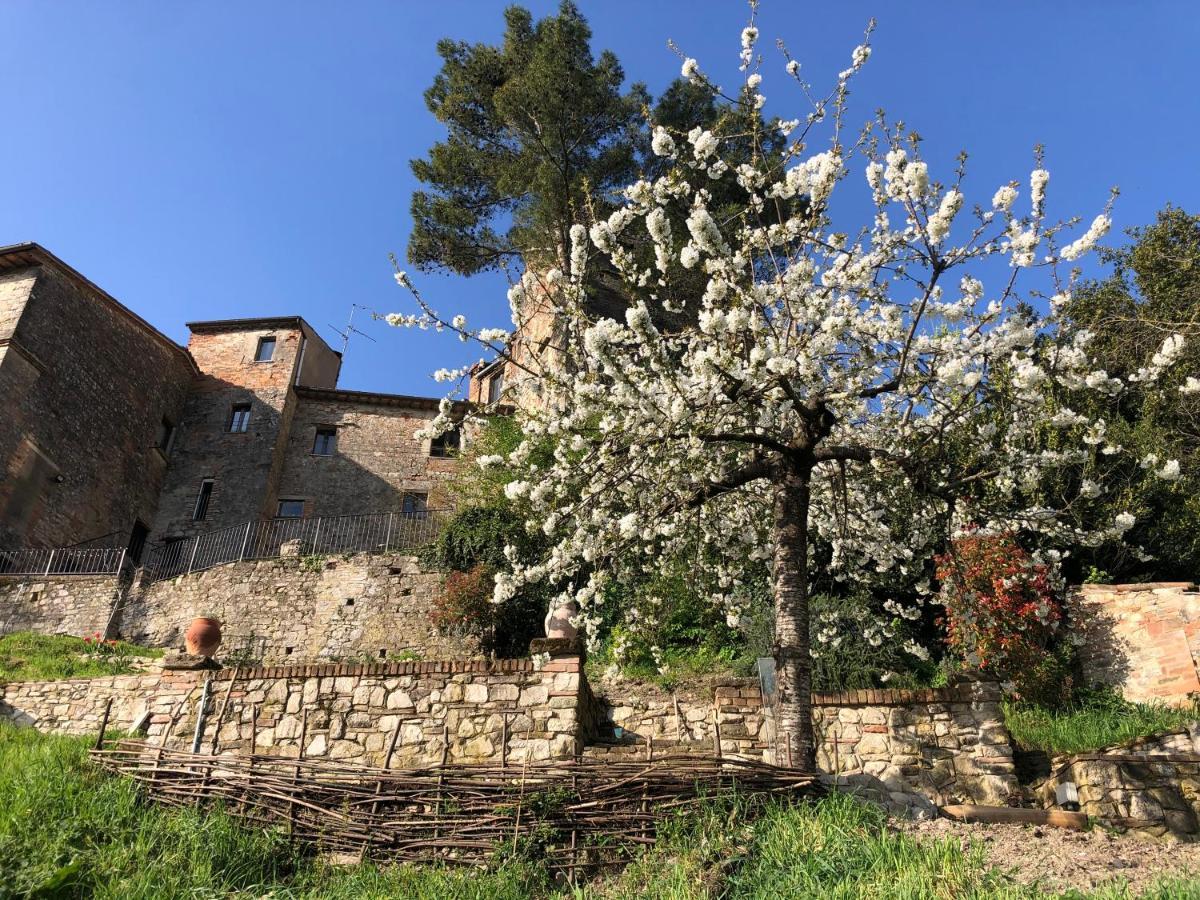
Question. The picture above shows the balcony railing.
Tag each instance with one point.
(318, 536)
(63, 561)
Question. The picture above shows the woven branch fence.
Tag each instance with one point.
(579, 815)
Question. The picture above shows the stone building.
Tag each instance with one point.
(111, 434)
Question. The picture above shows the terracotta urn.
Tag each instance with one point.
(558, 621)
(203, 636)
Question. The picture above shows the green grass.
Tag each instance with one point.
(1101, 721)
(25, 656)
(68, 830)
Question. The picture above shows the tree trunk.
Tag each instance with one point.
(793, 664)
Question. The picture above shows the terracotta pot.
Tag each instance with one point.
(202, 637)
(558, 621)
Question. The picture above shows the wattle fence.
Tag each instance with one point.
(317, 536)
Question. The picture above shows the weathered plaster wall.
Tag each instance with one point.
(78, 604)
(1142, 638)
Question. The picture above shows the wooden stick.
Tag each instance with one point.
(221, 715)
(104, 724)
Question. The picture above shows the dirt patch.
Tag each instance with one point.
(1057, 859)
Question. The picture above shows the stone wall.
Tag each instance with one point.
(1142, 638)
(299, 609)
(472, 711)
(77, 706)
(76, 604)
(376, 461)
(84, 389)
(1150, 786)
(910, 750)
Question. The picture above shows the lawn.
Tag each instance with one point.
(1101, 720)
(25, 656)
(68, 830)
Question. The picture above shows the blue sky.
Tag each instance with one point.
(220, 159)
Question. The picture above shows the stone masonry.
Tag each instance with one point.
(84, 388)
(909, 750)
(81, 605)
(377, 606)
(1151, 786)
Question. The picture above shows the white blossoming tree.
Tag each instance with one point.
(867, 386)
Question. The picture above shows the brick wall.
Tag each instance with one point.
(84, 386)
(80, 605)
(1142, 638)
(295, 609)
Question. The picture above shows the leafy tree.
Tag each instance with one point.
(1152, 295)
(538, 130)
(862, 388)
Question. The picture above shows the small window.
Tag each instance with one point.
(415, 505)
(445, 444)
(266, 349)
(166, 436)
(239, 418)
(326, 442)
(202, 500)
(291, 509)
(496, 387)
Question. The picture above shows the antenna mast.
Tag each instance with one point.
(345, 333)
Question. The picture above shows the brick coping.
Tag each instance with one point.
(354, 670)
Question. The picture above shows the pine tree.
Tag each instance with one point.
(538, 130)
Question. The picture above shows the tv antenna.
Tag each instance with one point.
(345, 333)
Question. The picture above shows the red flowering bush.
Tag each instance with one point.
(1001, 610)
(465, 602)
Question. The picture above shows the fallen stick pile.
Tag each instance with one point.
(581, 814)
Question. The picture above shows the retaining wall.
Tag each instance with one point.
(363, 606)
(909, 750)
(1150, 786)
(70, 604)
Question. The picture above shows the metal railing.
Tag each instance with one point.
(63, 561)
(318, 536)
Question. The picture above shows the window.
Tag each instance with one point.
(326, 442)
(414, 505)
(496, 386)
(202, 500)
(445, 444)
(166, 436)
(291, 509)
(239, 418)
(266, 349)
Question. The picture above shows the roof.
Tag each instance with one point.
(339, 395)
(21, 256)
(244, 324)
